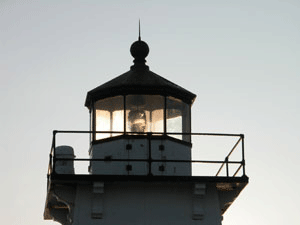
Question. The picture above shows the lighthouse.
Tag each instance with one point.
(140, 165)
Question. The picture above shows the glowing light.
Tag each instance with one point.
(137, 120)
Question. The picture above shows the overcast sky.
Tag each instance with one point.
(241, 59)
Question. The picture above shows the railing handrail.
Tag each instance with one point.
(53, 159)
(144, 133)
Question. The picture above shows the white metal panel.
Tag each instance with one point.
(138, 148)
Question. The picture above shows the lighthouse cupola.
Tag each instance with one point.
(131, 109)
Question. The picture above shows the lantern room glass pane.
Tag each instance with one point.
(109, 116)
(157, 124)
(144, 113)
(102, 123)
(178, 118)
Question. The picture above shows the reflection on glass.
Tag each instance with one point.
(157, 124)
(178, 118)
(102, 123)
(118, 121)
(109, 116)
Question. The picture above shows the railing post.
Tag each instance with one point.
(50, 168)
(149, 135)
(53, 147)
(243, 155)
(227, 166)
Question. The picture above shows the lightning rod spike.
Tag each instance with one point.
(139, 29)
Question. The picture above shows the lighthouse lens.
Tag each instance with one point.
(137, 120)
(144, 113)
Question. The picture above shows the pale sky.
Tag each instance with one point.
(241, 59)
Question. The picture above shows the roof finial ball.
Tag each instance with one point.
(139, 50)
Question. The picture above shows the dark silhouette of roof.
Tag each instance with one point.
(139, 80)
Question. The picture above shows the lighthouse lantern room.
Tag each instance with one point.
(140, 161)
(136, 110)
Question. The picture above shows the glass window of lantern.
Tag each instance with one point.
(144, 113)
(178, 118)
(109, 116)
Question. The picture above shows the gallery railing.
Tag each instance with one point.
(224, 164)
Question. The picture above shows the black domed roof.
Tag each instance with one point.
(139, 80)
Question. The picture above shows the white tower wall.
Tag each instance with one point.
(135, 203)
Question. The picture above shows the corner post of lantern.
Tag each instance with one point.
(165, 115)
(124, 117)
